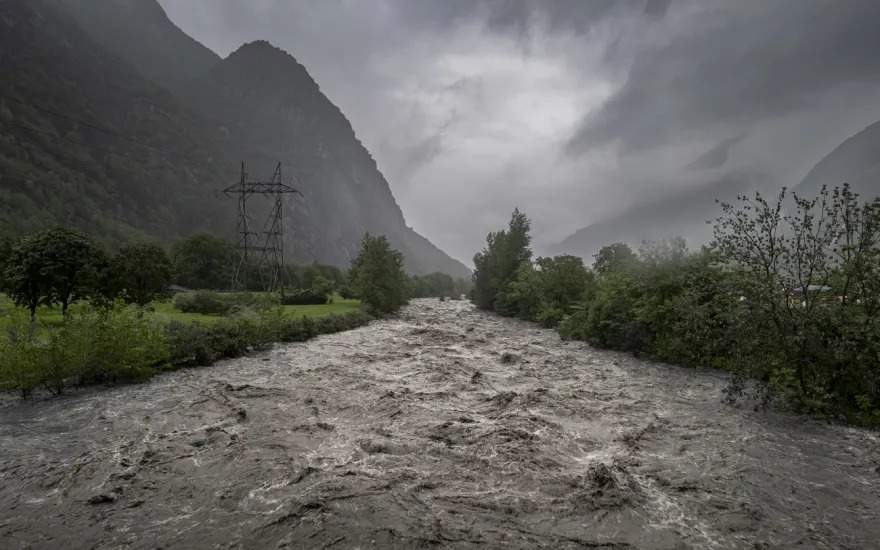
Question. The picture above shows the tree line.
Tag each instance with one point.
(60, 266)
(786, 297)
(105, 334)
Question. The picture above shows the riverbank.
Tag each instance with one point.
(122, 344)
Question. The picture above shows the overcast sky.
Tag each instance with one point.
(573, 110)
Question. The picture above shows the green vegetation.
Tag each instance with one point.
(788, 302)
(497, 264)
(142, 272)
(65, 320)
(377, 276)
(57, 266)
(90, 346)
(126, 343)
(203, 262)
(438, 285)
(74, 315)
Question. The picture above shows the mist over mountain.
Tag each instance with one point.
(855, 161)
(684, 214)
(131, 127)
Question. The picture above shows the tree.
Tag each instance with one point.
(497, 264)
(563, 280)
(433, 285)
(143, 273)
(6, 245)
(203, 261)
(615, 257)
(377, 276)
(57, 266)
(808, 272)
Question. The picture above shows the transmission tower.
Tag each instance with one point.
(260, 252)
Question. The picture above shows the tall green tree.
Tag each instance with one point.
(613, 258)
(143, 273)
(497, 264)
(57, 266)
(377, 276)
(203, 261)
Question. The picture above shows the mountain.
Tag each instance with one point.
(266, 101)
(115, 121)
(86, 141)
(140, 32)
(855, 161)
(683, 214)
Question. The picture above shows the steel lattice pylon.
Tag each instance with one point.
(260, 252)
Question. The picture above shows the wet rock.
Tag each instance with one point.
(600, 475)
(503, 399)
(104, 498)
(508, 358)
(372, 447)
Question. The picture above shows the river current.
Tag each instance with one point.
(445, 427)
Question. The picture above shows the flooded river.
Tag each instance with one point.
(447, 427)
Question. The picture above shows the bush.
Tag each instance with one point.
(195, 344)
(89, 346)
(204, 302)
(21, 356)
(124, 344)
(121, 344)
(303, 297)
(550, 317)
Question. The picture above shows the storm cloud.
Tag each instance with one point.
(574, 111)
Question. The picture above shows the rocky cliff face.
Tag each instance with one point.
(132, 127)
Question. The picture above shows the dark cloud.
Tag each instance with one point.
(736, 63)
(716, 157)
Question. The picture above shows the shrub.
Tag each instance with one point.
(21, 361)
(302, 297)
(196, 344)
(204, 302)
(89, 346)
(550, 317)
(124, 345)
(190, 344)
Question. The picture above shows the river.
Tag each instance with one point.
(445, 427)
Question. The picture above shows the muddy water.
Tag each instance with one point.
(445, 428)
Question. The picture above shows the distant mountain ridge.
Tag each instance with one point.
(184, 119)
(855, 161)
(683, 214)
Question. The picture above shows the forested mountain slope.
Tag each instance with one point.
(131, 132)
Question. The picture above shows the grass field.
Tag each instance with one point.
(165, 310)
